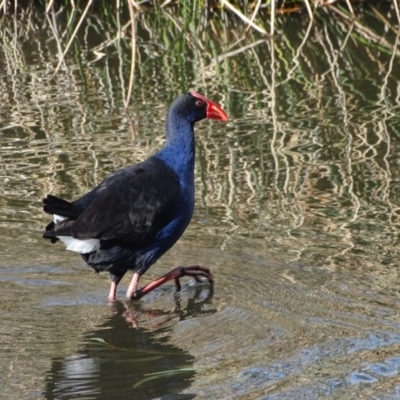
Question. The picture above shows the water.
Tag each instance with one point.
(297, 212)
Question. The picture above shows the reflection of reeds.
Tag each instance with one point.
(309, 161)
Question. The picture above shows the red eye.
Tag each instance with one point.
(199, 103)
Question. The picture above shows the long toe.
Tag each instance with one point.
(195, 271)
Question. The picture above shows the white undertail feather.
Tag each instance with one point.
(80, 246)
(77, 245)
(58, 218)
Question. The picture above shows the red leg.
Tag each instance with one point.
(113, 291)
(132, 289)
(195, 271)
(115, 278)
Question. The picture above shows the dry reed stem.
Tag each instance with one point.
(49, 6)
(396, 7)
(309, 10)
(3, 6)
(131, 4)
(242, 16)
(254, 14)
(350, 7)
(85, 11)
(272, 23)
(368, 33)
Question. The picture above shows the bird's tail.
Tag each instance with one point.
(63, 212)
(56, 206)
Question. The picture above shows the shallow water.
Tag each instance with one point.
(297, 214)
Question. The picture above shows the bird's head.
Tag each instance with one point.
(195, 107)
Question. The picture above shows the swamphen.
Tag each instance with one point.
(136, 214)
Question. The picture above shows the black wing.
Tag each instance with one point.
(131, 206)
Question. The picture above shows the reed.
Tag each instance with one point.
(255, 14)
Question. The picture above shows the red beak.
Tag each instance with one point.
(214, 111)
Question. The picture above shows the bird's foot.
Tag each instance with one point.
(195, 271)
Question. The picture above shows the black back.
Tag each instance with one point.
(129, 207)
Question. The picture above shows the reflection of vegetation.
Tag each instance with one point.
(308, 162)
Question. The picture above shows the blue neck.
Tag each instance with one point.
(179, 150)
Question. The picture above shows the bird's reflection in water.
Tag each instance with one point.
(122, 360)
